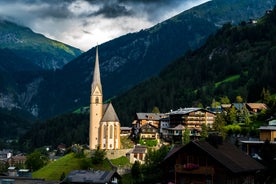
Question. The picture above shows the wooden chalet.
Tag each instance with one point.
(149, 131)
(214, 162)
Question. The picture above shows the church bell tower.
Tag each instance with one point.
(96, 106)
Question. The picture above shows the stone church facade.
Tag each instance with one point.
(104, 130)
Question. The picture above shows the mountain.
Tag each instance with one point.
(135, 57)
(41, 51)
(236, 61)
(24, 58)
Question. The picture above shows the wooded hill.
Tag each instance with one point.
(237, 60)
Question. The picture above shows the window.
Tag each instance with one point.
(105, 131)
(97, 100)
(111, 131)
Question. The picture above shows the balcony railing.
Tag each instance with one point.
(194, 169)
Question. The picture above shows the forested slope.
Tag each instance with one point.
(246, 51)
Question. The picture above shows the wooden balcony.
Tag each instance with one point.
(205, 170)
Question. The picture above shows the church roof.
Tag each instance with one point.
(96, 75)
(109, 113)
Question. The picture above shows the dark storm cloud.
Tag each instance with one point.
(83, 23)
(113, 11)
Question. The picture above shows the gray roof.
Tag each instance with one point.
(178, 127)
(86, 176)
(139, 149)
(125, 128)
(271, 127)
(109, 113)
(96, 74)
(185, 110)
(150, 116)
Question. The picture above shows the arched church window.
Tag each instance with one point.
(105, 131)
(111, 131)
(115, 131)
(97, 100)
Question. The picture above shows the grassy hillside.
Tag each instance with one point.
(67, 163)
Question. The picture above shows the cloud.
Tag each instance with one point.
(85, 23)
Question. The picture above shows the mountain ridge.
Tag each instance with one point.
(135, 57)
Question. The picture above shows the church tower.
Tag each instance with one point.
(104, 130)
(96, 106)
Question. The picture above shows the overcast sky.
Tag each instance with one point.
(86, 23)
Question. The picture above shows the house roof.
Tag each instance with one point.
(150, 116)
(188, 110)
(185, 110)
(139, 149)
(147, 125)
(88, 176)
(178, 127)
(226, 106)
(109, 113)
(257, 105)
(267, 127)
(125, 128)
(226, 154)
(238, 106)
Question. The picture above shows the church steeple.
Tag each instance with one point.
(96, 106)
(96, 76)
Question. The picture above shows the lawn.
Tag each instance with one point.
(54, 170)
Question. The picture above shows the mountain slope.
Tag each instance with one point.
(43, 52)
(237, 60)
(130, 59)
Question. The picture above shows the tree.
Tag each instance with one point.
(155, 110)
(265, 96)
(98, 156)
(232, 115)
(186, 136)
(239, 99)
(136, 171)
(204, 132)
(36, 160)
(224, 100)
(215, 104)
(219, 124)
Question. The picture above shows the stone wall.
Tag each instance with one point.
(113, 154)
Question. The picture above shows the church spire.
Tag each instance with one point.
(97, 76)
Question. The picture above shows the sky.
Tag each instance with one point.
(87, 23)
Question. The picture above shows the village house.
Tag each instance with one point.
(149, 131)
(147, 125)
(210, 162)
(125, 131)
(192, 118)
(147, 118)
(17, 160)
(253, 146)
(138, 153)
(174, 134)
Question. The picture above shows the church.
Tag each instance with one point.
(104, 130)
